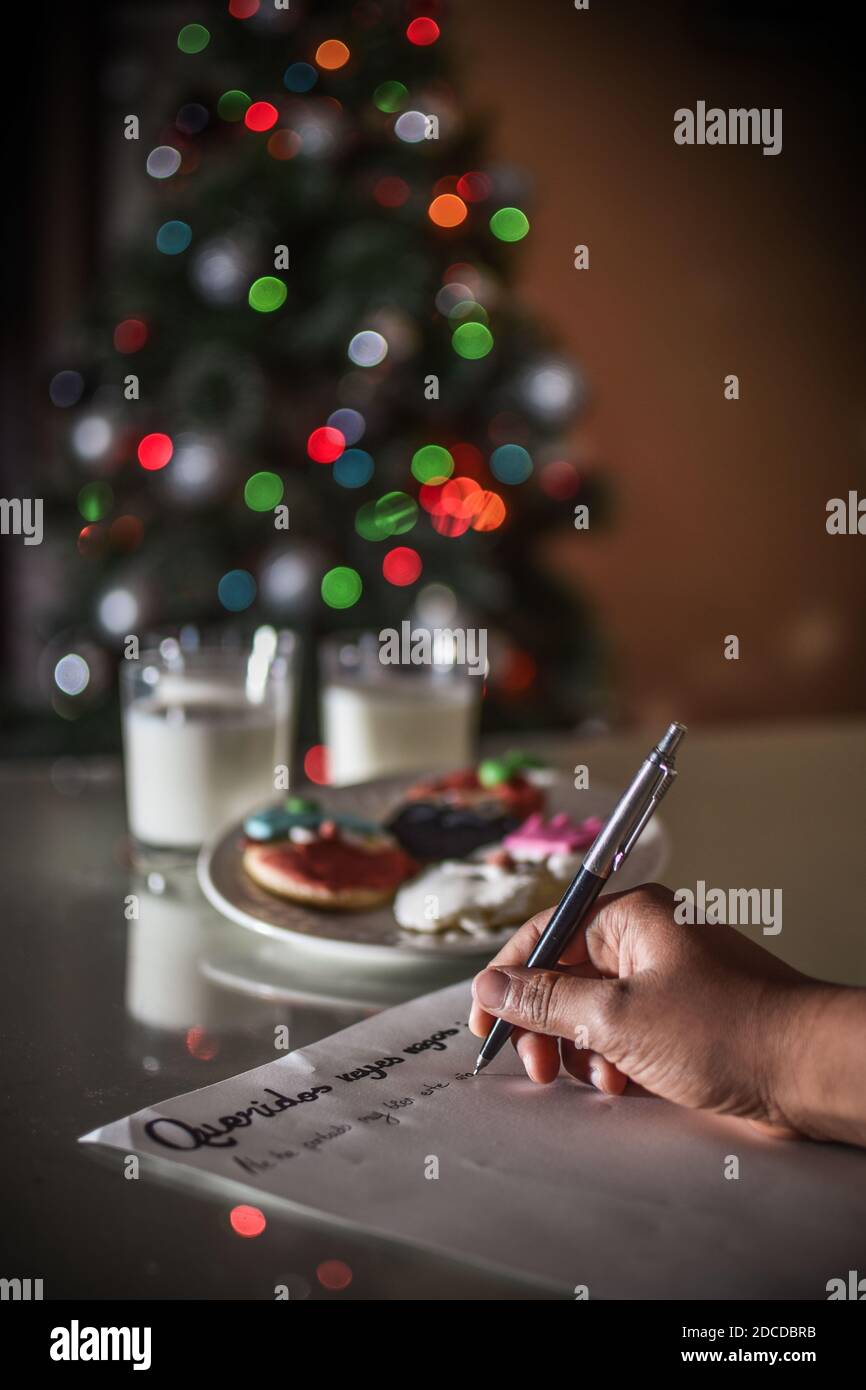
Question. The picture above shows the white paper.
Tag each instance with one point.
(626, 1196)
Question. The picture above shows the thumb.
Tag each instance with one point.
(546, 1001)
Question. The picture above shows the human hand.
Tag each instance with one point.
(697, 1014)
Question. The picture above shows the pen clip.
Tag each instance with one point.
(662, 786)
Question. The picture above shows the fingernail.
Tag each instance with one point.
(491, 987)
(595, 1076)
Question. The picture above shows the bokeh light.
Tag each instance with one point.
(163, 162)
(126, 533)
(72, 674)
(267, 294)
(193, 38)
(397, 512)
(155, 451)
(350, 423)
(391, 191)
(474, 187)
(95, 500)
(91, 541)
(233, 104)
(261, 115)
(390, 96)
(247, 1221)
(367, 349)
(192, 118)
(300, 77)
(118, 611)
(66, 389)
(91, 437)
(461, 498)
(509, 224)
(236, 590)
(401, 566)
(284, 144)
(130, 335)
(511, 463)
(368, 525)
(559, 479)
(490, 514)
(447, 210)
(243, 9)
(354, 468)
(325, 444)
(432, 462)
(472, 341)
(332, 54)
(173, 238)
(450, 526)
(341, 587)
(316, 765)
(263, 491)
(411, 127)
(422, 32)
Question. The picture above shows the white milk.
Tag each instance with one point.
(373, 730)
(195, 764)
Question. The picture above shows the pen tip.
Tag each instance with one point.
(480, 1065)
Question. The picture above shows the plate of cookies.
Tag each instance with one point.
(405, 868)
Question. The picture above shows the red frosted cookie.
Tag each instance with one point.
(514, 795)
(330, 867)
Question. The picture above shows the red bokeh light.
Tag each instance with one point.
(126, 533)
(243, 9)
(130, 335)
(449, 525)
(326, 444)
(261, 115)
(402, 566)
(430, 497)
(468, 459)
(391, 192)
(316, 765)
(247, 1221)
(559, 479)
(201, 1045)
(334, 1275)
(519, 673)
(154, 451)
(461, 497)
(474, 187)
(422, 32)
(91, 540)
(284, 144)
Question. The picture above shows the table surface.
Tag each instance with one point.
(105, 1014)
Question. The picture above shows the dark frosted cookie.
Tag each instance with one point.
(436, 830)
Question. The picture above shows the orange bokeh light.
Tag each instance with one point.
(490, 514)
(448, 210)
(332, 54)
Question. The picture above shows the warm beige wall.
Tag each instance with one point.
(703, 262)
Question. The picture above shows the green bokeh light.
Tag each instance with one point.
(509, 224)
(193, 38)
(263, 492)
(368, 525)
(390, 96)
(472, 340)
(267, 294)
(341, 587)
(232, 105)
(467, 311)
(397, 512)
(432, 462)
(95, 500)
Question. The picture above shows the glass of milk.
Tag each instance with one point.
(379, 719)
(207, 732)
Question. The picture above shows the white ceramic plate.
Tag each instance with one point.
(374, 937)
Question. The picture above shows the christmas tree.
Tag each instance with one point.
(307, 394)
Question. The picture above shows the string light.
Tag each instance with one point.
(490, 513)
(173, 238)
(163, 162)
(72, 674)
(260, 116)
(474, 187)
(447, 210)
(367, 349)
(155, 451)
(401, 566)
(411, 127)
(236, 590)
(350, 423)
(243, 9)
(432, 463)
(511, 463)
(95, 500)
(472, 341)
(509, 224)
(130, 336)
(354, 468)
(390, 96)
(422, 32)
(341, 587)
(233, 104)
(300, 77)
(193, 38)
(396, 512)
(332, 54)
(263, 491)
(325, 444)
(267, 294)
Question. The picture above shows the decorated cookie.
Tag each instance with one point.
(559, 843)
(477, 897)
(330, 866)
(439, 830)
(277, 822)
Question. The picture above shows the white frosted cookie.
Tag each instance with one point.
(478, 897)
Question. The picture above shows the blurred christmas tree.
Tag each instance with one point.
(307, 365)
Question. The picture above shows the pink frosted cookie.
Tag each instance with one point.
(559, 842)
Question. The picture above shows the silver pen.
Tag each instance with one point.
(611, 847)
